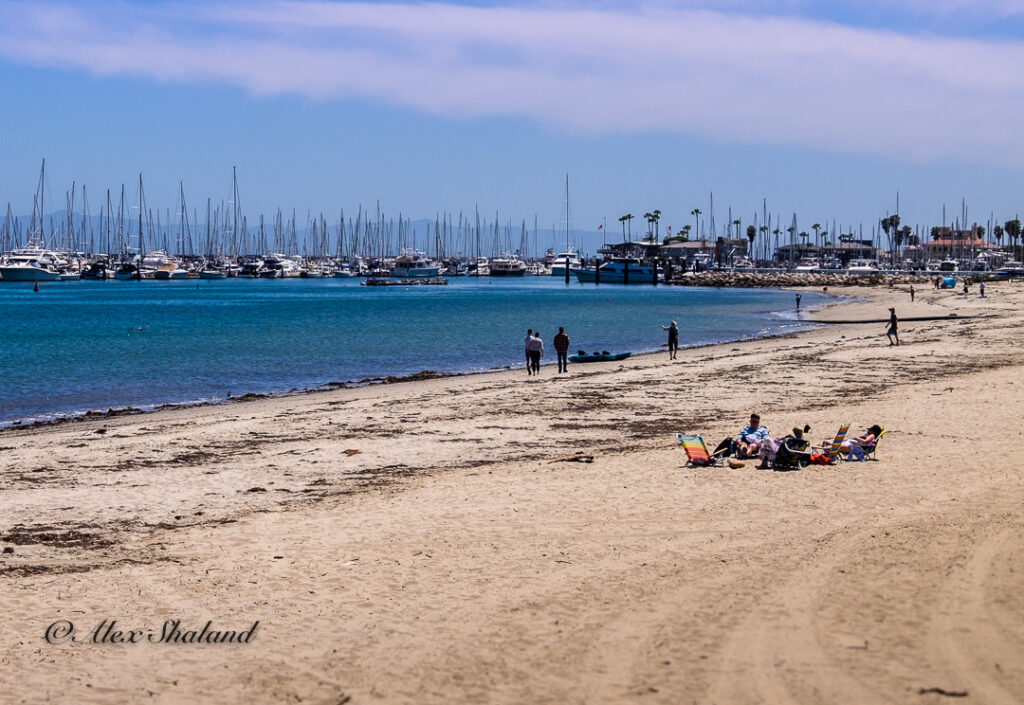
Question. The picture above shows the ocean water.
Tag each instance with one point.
(78, 346)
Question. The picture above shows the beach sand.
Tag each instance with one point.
(444, 541)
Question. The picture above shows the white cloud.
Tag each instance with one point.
(729, 76)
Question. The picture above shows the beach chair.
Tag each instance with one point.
(696, 452)
(793, 454)
(831, 450)
(869, 450)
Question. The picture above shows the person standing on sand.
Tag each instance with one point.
(562, 349)
(536, 348)
(911, 293)
(966, 288)
(526, 347)
(981, 289)
(893, 325)
(673, 339)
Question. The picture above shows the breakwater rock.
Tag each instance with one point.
(789, 280)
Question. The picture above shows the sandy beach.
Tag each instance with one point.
(500, 538)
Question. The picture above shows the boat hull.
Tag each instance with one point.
(28, 274)
(610, 357)
(637, 275)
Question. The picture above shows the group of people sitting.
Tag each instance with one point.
(756, 441)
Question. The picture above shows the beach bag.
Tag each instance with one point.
(820, 459)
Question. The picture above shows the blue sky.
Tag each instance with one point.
(824, 109)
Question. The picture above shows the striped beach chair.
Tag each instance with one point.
(696, 452)
(832, 449)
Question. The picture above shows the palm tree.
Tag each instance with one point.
(1012, 229)
(686, 233)
(751, 234)
(737, 224)
(649, 217)
(696, 212)
(624, 220)
(998, 232)
(817, 232)
(803, 246)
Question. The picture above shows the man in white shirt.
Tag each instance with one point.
(535, 346)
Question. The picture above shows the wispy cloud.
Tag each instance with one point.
(727, 75)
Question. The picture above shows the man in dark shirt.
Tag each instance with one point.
(892, 332)
(562, 348)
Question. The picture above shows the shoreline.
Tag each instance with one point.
(517, 539)
(76, 416)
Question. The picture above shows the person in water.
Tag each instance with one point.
(673, 339)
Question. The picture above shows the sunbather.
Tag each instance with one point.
(747, 442)
(854, 447)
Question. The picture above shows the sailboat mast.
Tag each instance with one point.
(567, 228)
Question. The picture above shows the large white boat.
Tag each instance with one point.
(414, 263)
(479, 267)
(862, 266)
(569, 259)
(507, 266)
(277, 266)
(32, 264)
(807, 265)
(620, 270)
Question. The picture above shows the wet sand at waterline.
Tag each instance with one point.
(445, 541)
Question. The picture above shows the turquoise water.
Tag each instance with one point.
(78, 346)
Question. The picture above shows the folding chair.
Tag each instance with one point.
(831, 450)
(869, 451)
(696, 452)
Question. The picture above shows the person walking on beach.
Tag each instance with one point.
(798, 297)
(526, 347)
(981, 289)
(536, 348)
(562, 349)
(911, 293)
(673, 339)
(893, 325)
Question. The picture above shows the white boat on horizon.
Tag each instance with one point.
(33, 263)
(569, 259)
(414, 263)
(862, 266)
(508, 265)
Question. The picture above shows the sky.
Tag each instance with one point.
(822, 109)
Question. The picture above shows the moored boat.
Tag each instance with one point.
(620, 270)
(414, 263)
(507, 265)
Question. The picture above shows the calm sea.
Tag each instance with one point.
(78, 346)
